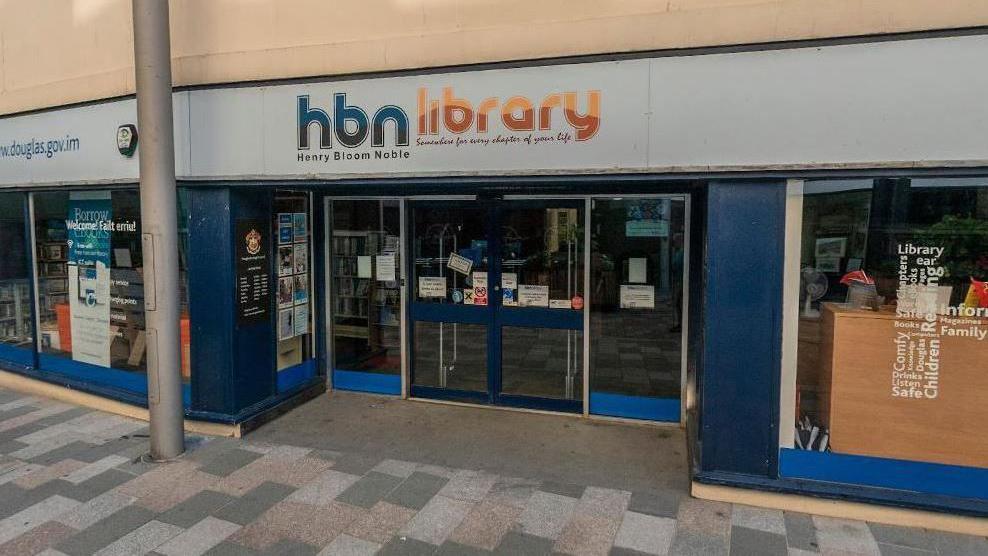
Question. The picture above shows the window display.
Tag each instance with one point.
(893, 319)
(16, 328)
(294, 318)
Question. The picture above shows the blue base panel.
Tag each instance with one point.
(291, 377)
(915, 476)
(18, 355)
(375, 383)
(635, 407)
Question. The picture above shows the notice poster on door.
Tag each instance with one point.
(509, 289)
(386, 268)
(459, 264)
(533, 296)
(90, 226)
(432, 286)
(480, 288)
(647, 218)
(634, 296)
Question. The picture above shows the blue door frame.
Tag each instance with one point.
(494, 316)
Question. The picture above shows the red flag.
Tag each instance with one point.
(857, 276)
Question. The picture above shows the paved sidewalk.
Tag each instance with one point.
(72, 482)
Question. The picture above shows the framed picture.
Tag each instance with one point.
(286, 323)
(286, 263)
(830, 247)
(301, 288)
(828, 264)
(301, 258)
(301, 226)
(286, 292)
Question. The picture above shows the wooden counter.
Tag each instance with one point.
(858, 352)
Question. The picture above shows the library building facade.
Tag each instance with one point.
(782, 249)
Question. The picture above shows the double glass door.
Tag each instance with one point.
(497, 301)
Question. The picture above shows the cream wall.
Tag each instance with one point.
(55, 52)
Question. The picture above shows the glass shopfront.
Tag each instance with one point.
(16, 317)
(291, 227)
(499, 301)
(892, 334)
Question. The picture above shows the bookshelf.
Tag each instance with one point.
(364, 308)
(15, 312)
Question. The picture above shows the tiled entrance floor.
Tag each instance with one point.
(72, 482)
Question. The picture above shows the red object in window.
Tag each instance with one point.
(64, 317)
(857, 276)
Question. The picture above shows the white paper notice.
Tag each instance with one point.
(637, 270)
(637, 297)
(480, 288)
(533, 296)
(364, 266)
(459, 263)
(386, 268)
(430, 286)
(560, 304)
(509, 289)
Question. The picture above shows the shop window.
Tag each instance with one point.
(291, 228)
(637, 258)
(366, 292)
(16, 326)
(893, 320)
(90, 279)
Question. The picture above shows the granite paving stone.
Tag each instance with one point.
(325, 488)
(520, 544)
(230, 461)
(227, 548)
(897, 550)
(588, 535)
(395, 467)
(380, 523)
(369, 489)
(94, 468)
(801, 532)
(92, 511)
(546, 514)
(107, 530)
(37, 539)
(288, 467)
(563, 489)
(94, 486)
(142, 540)
(48, 473)
(662, 504)
(416, 490)
(486, 525)
(903, 536)
(253, 503)
(512, 491)
(450, 548)
(646, 533)
(712, 518)
(603, 502)
(345, 545)
(402, 546)
(199, 538)
(355, 464)
(689, 542)
(33, 516)
(196, 508)
(960, 545)
(289, 547)
(762, 519)
(844, 535)
(316, 526)
(755, 542)
(472, 486)
(434, 523)
(163, 499)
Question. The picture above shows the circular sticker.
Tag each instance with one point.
(457, 296)
(577, 302)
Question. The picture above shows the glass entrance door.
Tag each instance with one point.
(497, 292)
